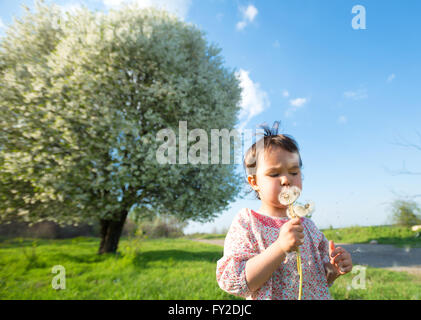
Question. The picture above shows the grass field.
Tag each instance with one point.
(148, 269)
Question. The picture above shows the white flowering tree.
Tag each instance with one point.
(82, 97)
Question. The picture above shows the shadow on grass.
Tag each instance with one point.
(170, 257)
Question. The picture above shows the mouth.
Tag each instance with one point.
(289, 195)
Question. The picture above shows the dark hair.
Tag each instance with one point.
(270, 140)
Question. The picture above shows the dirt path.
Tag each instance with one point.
(219, 242)
(375, 255)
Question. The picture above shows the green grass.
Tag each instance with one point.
(148, 269)
(206, 236)
(399, 236)
(380, 284)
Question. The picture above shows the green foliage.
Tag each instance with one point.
(82, 98)
(406, 213)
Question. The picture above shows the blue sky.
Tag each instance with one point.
(347, 96)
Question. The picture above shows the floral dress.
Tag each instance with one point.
(250, 234)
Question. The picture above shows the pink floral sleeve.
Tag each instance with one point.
(240, 246)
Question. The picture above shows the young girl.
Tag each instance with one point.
(257, 243)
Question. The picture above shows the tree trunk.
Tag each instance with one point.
(111, 232)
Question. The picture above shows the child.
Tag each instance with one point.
(257, 243)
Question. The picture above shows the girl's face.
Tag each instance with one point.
(276, 169)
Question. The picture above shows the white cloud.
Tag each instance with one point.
(253, 99)
(248, 15)
(177, 7)
(356, 95)
(299, 102)
(391, 77)
(285, 93)
(251, 13)
(295, 104)
(342, 119)
(241, 25)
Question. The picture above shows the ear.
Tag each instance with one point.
(252, 181)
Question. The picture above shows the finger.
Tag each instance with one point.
(299, 235)
(294, 248)
(347, 261)
(344, 262)
(340, 252)
(342, 257)
(331, 246)
(337, 250)
(338, 259)
(295, 221)
(335, 259)
(298, 228)
(299, 242)
(346, 269)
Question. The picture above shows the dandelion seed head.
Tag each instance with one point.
(301, 210)
(289, 195)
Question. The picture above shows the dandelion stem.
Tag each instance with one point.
(299, 270)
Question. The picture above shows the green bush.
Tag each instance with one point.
(406, 213)
(161, 226)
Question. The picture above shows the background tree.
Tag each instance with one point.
(406, 213)
(82, 98)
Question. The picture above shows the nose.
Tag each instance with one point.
(284, 181)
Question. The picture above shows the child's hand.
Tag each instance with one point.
(291, 235)
(340, 259)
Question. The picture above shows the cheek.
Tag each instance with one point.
(269, 186)
(274, 188)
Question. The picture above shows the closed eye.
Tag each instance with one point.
(277, 174)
